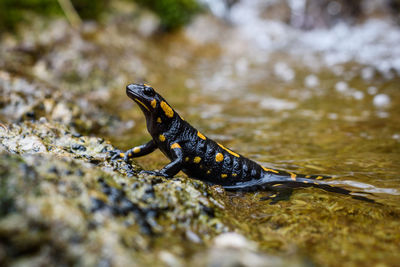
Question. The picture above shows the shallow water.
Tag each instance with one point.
(296, 112)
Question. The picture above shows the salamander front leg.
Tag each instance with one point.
(171, 168)
(139, 151)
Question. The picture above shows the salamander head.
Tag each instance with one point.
(153, 105)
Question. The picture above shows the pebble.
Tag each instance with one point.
(381, 101)
(372, 90)
(311, 81)
(284, 72)
(367, 73)
(358, 95)
(192, 236)
(276, 104)
(341, 86)
(169, 259)
(31, 144)
(333, 116)
(382, 114)
(232, 240)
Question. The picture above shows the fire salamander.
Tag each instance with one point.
(202, 158)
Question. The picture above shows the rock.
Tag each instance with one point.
(311, 81)
(233, 249)
(233, 240)
(381, 101)
(25, 99)
(284, 72)
(31, 144)
(61, 113)
(276, 104)
(341, 87)
(71, 203)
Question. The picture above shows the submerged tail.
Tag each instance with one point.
(273, 181)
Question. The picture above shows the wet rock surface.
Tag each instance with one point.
(25, 98)
(64, 201)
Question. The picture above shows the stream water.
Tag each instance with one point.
(318, 102)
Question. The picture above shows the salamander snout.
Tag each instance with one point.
(130, 86)
(139, 90)
(133, 89)
(144, 95)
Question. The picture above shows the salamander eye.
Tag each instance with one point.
(149, 91)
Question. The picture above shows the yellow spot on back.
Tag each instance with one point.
(148, 85)
(306, 182)
(224, 175)
(196, 159)
(175, 145)
(219, 157)
(277, 185)
(159, 120)
(153, 103)
(167, 109)
(234, 174)
(161, 138)
(199, 134)
(319, 177)
(229, 151)
(136, 149)
(122, 155)
(141, 103)
(308, 176)
(269, 170)
(274, 195)
(129, 154)
(187, 159)
(209, 171)
(182, 118)
(293, 176)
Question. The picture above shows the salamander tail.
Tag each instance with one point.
(278, 182)
(295, 181)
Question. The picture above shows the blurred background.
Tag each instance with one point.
(310, 86)
(311, 71)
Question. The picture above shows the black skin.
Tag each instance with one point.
(204, 159)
